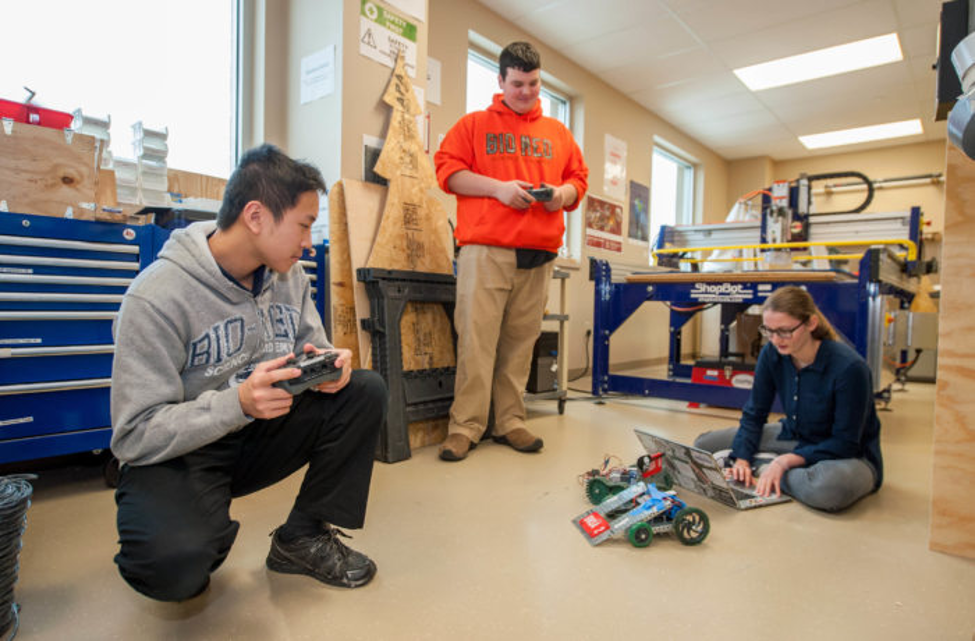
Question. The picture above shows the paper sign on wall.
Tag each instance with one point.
(318, 75)
(433, 81)
(615, 166)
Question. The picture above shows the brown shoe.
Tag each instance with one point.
(455, 447)
(521, 440)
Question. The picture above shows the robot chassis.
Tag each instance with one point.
(641, 511)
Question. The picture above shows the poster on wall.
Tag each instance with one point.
(638, 220)
(383, 34)
(615, 167)
(604, 222)
(318, 73)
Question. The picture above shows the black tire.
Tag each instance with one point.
(640, 535)
(691, 526)
(561, 405)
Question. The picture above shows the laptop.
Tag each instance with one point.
(698, 471)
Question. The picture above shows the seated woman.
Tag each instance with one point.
(827, 445)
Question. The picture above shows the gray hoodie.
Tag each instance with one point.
(186, 337)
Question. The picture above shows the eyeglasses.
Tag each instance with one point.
(779, 333)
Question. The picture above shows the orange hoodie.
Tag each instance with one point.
(505, 145)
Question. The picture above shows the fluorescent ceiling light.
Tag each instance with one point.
(862, 134)
(832, 61)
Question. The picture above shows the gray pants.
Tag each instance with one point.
(831, 485)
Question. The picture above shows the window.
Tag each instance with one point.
(672, 188)
(483, 83)
(169, 64)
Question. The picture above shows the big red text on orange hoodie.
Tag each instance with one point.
(505, 145)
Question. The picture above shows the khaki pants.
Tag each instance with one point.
(498, 316)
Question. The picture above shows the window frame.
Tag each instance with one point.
(685, 204)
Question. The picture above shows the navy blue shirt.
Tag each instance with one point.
(829, 406)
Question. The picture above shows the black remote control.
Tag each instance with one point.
(541, 194)
(316, 368)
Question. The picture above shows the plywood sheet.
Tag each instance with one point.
(193, 185)
(409, 236)
(364, 208)
(403, 152)
(424, 433)
(952, 513)
(425, 336)
(105, 189)
(341, 281)
(44, 172)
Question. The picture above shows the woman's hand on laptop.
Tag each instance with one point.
(769, 480)
(740, 472)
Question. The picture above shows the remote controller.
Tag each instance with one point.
(316, 368)
(541, 194)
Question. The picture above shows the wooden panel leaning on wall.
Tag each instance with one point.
(191, 185)
(952, 510)
(52, 172)
(48, 172)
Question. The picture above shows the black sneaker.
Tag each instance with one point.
(323, 557)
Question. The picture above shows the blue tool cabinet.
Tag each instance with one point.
(61, 284)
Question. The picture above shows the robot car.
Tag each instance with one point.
(640, 511)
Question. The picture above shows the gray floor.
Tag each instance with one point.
(484, 549)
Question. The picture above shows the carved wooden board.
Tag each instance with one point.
(412, 237)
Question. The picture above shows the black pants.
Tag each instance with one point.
(173, 517)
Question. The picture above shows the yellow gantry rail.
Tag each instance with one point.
(910, 253)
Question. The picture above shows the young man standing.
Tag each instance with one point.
(202, 336)
(490, 160)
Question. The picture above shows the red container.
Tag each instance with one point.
(723, 373)
(34, 115)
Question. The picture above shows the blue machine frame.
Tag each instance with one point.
(856, 306)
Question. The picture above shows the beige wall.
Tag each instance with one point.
(314, 130)
(890, 162)
(746, 176)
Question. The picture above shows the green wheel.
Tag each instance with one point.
(664, 481)
(640, 535)
(597, 490)
(691, 526)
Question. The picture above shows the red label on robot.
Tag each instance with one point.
(594, 524)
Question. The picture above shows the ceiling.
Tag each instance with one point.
(676, 58)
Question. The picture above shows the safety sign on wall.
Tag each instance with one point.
(384, 33)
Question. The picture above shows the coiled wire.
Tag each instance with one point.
(15, 498)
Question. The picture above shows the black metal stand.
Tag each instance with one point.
(416, 395)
